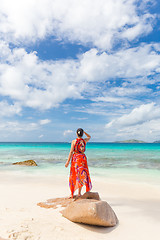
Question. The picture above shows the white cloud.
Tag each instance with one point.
(141, 123)
(80, 118)
(16, 126)
(148, 131)
(129, 91)
(30, 82)
(126, 63)
(115, 98)
(34, 83)
(122, 94)
(7, 110)
(66, 132)
(21, 126)
(137, 116)
(143, 26)
(97, 22)
(41, 136)
(44, 121)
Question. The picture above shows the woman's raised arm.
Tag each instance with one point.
(88, 137)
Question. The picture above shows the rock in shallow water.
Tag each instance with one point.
(92, 212)
(26, 163)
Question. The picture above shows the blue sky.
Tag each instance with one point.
(93, 64)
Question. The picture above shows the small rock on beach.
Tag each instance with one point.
(26, 163)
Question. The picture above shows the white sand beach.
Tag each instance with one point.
(136, 205)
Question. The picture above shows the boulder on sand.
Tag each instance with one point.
(92, 212)
(88, 209)
(26, 163)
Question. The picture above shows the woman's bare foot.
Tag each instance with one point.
(71, 196)
(78, 196)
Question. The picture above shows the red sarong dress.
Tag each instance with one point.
(79, 173)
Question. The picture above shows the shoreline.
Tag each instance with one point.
(136, 205)
(20, 173)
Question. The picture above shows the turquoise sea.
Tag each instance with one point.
(104, 159)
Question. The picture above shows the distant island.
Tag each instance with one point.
(157, 141)
(131, 141)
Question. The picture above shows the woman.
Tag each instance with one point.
(79, 173)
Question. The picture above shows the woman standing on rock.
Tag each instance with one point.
(79, 173)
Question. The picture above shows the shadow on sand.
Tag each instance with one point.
(97, 229)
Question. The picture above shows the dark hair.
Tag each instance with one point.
(80, 132)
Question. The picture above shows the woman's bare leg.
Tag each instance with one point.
(71, 196)
(79, 191)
